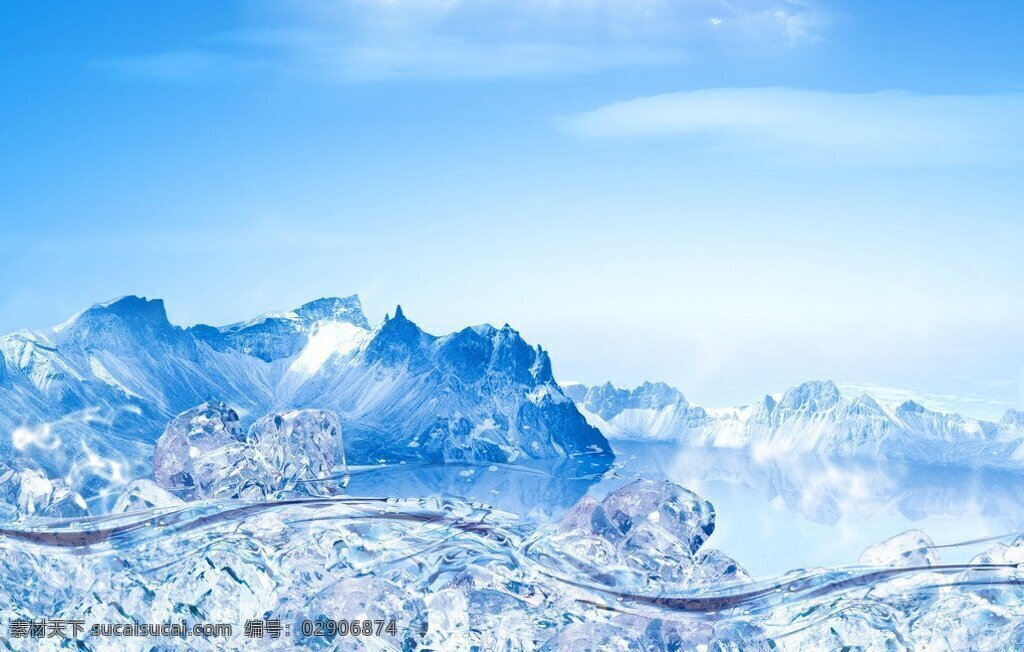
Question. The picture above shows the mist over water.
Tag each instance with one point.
(784, 512)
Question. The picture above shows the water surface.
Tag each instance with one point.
(773, 514)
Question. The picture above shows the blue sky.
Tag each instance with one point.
(729, 196)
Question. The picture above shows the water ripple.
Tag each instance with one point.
(455, 574)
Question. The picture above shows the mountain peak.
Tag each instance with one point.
(319, 311)
(910, 407)
(396, 339)
(131, 305)
(333, 309)
(662, 393)
(813, 395)
(1013, 418)
(129, 309)
(276, 335)
(607, 400)
(542, 366)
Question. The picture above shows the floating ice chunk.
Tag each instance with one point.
(448, 623)
(10, 485)
(196, 448)
(486, 617)
(245, 475)
(961, 622)
(646, 529)
(587, 636)
(910, 593)
(29, 492)
(301, 444)
(995, 575)
(714, 567)
(665, 506)
(856, 628)
(203, 453)
(655, 552)
(369, 598)
(905, 550)
(1001, 553)
(578, 517)
(590, 550)
(694, 634)
(143, 494)
(219, 580)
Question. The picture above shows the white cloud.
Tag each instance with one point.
(891, 127)
(361, 40)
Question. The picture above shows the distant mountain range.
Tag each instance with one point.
(813, 417)
(87, 399)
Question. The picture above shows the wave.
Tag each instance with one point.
(454, 574)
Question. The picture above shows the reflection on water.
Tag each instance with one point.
(537, 491)
(827, 511)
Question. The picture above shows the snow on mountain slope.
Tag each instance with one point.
(653, 411)
(274, 336)
(481, 393)
(105, 383)
(813, 417)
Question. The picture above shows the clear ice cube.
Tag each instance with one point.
(196, 449)
(665, 506)
(301, 444)
(905, 550)
(143, 494)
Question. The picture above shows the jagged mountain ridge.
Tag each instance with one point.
(812, 417)
(90, 396)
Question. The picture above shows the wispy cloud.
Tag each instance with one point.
(891, 127)
(365, 40)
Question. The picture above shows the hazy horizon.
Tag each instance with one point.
(979, 408)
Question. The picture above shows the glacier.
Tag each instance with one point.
(813, 417)
(87, 400)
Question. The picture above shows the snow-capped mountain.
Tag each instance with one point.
(88, 398)
(813, 417)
